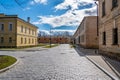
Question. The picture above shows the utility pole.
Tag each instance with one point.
(97, 19)
(50, 37)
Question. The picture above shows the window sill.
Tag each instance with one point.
(104, 44)
(115, 44)
(114, 7)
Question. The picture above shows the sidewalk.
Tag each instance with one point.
(109, 66)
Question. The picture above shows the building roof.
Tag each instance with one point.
(2, 15)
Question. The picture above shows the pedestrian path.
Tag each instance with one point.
(58, 63)
(109, 66)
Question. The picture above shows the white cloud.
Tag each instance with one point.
(27, 8)
(44, 32)
(38, 1)
(72, 17)
(55, 31)
(60, 30)
(74, 4)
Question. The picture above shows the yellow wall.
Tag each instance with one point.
(16, 33)
(6, 33)
(32, 35)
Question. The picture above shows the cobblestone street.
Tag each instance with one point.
(58, 63)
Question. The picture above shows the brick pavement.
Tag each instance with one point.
(110, 66)
(58, 63)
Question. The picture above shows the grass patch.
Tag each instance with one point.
(41, 44)
(24, 47)
(52, 45)
(6, 61)
(72, 46)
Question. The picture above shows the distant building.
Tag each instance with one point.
(86, 33)
(16, 32)
(109, 25)
(54, 39)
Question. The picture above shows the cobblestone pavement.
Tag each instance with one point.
(58, 63)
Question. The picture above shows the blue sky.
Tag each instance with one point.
(60, 15)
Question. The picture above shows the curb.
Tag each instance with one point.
(101, 68)
(9, 67)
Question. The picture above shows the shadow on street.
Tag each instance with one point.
(113, 64)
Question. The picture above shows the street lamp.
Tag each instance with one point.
(50, 37)
(97, 18)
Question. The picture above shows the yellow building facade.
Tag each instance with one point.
(16, 32)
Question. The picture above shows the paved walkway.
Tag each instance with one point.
(112, 67)
(58, 63)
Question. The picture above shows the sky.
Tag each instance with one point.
(59, 15)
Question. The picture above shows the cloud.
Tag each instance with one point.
(74, 4)
(72, 17)
(44, 32)
(27, 8)
(38, 1)
(60, 30)
(55, 31)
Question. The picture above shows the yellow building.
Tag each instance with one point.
(109, 26)
(16, 32)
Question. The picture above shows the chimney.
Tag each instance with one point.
(28, 19)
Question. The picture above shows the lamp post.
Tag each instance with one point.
(97, 19)
(50, 37)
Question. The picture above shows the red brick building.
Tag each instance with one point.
(60, 40)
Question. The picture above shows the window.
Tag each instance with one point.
(35, 40)
(2, 40)
(32, 40)
(10, 27)
(2, 27)
(21, 28)
(29, 40)
(21, 40)
(114, 3)
(103, 9)
(25, 29)
(79, 39)
(29, 31)
(82, 38)
(115, 36)
(25, 40)
(32, 32)
(104, 38)
(35, 33)
(10, 39)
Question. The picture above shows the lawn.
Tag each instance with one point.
(41, 44)
(6, 61)
(52, 45)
